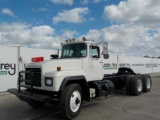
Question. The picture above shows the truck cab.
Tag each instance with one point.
(78, 58)
(90, 55)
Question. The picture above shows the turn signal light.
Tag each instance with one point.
(58, 68)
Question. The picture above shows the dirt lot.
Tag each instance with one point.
(118, 106)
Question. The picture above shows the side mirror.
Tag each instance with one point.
(105, 48)
(54, 56)
(105, 51)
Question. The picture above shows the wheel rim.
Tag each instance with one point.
(75, 101)
(139, 85)
(148, 83)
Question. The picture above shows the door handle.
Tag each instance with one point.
(100, 62)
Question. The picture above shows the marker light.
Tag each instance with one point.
(66, 40)
(58, 68)
(37, 59)
(83, 38)
(73, 39)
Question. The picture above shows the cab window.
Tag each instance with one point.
(94, 52)
(78, 50)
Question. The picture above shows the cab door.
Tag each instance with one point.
(96, 71)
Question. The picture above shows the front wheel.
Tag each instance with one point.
(71, 101)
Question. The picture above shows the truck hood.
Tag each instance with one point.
(51, 65)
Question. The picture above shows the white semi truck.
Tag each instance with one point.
(77, 76)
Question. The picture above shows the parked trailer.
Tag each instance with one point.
(77, 76)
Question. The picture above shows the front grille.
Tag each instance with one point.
(36, 76)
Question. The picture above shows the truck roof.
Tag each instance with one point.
(73, 42)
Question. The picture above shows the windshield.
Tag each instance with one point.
(78, 50)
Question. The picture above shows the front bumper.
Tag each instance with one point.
(25, 96)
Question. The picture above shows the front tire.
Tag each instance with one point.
(71, 101)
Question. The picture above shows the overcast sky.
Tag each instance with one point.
(131, 27)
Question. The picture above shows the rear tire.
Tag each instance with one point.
(71, 101)
(147, 83)
(128, 84)
(137, 85)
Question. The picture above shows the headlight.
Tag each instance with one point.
(48, 81)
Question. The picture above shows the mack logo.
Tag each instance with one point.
(7, 68)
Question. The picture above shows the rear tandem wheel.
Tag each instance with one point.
(147, 83)
(134, 85)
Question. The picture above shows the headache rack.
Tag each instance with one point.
(32, 78)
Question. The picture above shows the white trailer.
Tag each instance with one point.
(79, 74)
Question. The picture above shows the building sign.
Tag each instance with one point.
(7, 68)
